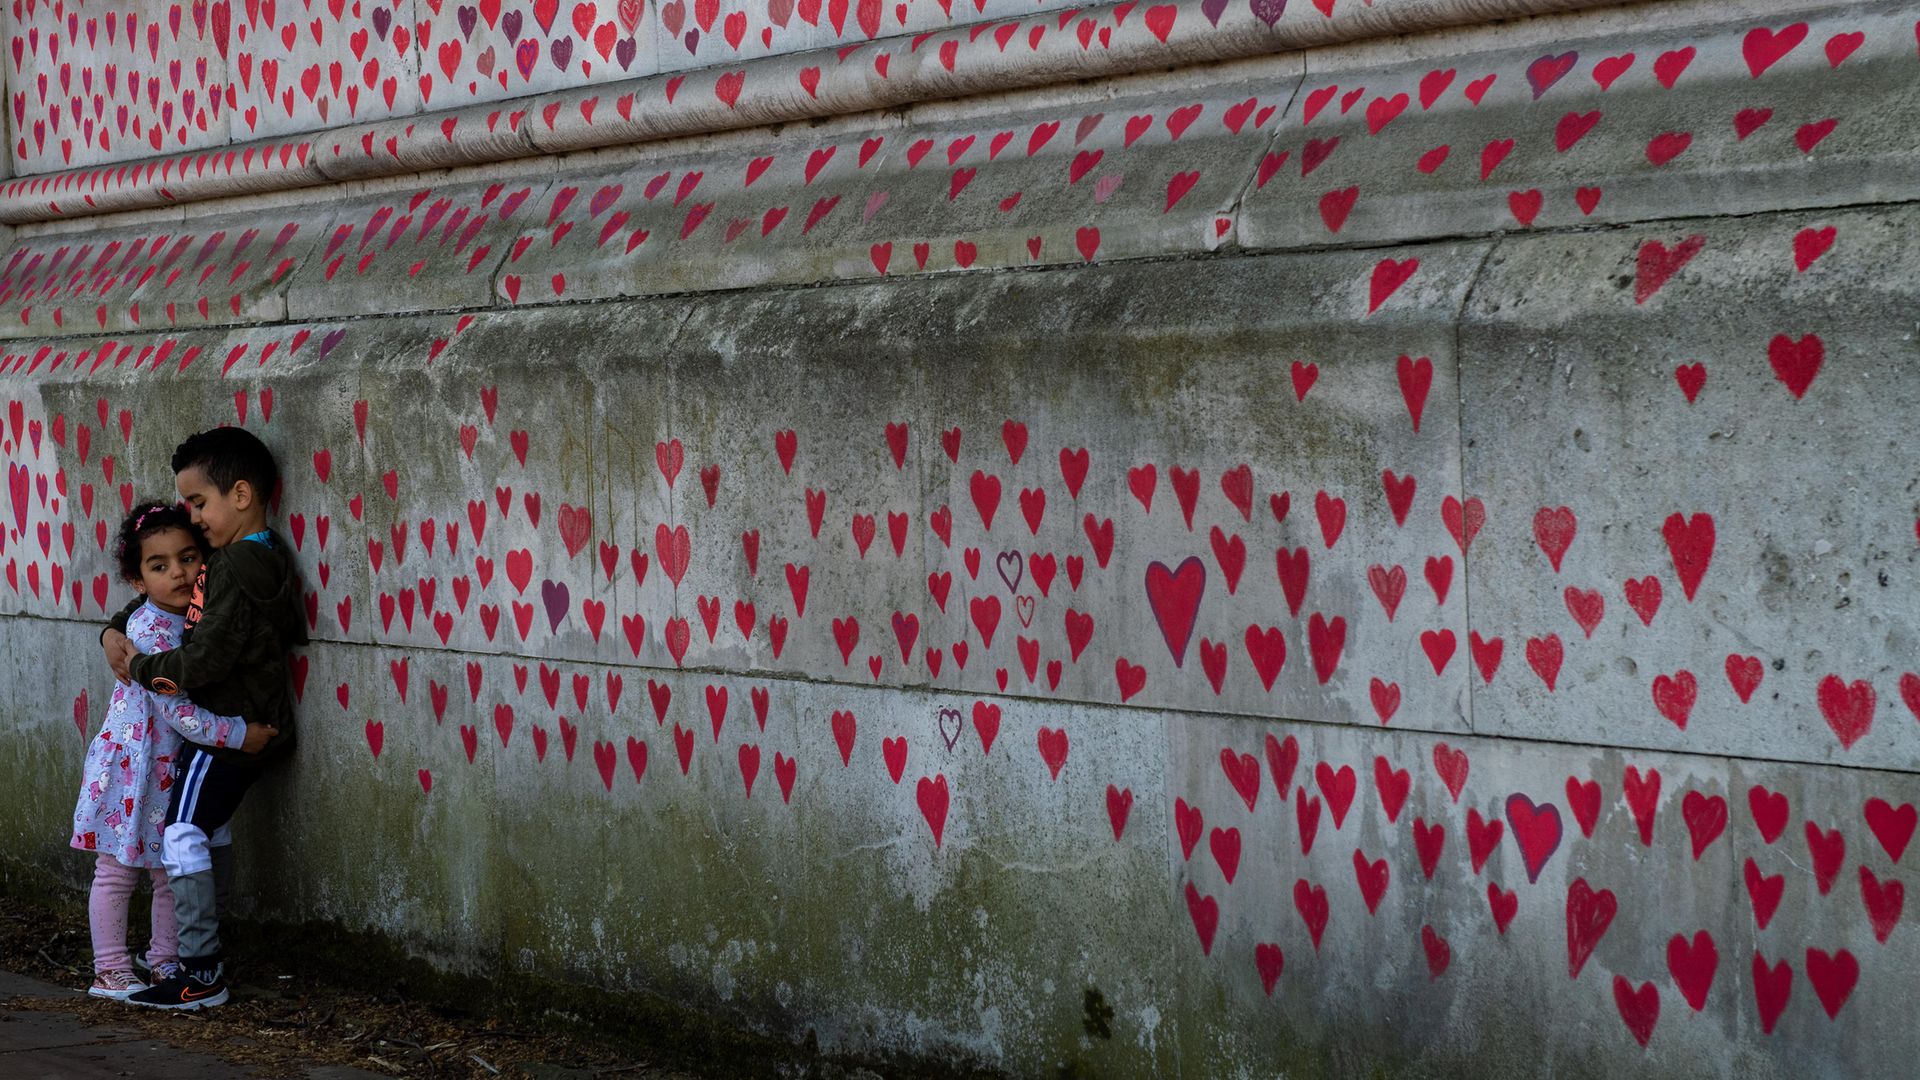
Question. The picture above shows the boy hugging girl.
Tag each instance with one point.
(201, 656)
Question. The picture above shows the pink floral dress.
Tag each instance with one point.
(129, 769)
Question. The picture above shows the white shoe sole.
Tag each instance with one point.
(113, 995)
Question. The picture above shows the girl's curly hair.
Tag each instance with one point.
(147, 519)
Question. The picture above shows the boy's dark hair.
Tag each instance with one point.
(148, 519)
(229, 455)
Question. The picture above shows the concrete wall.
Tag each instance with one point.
(1321, 719)
(173, 84)
(126, 79)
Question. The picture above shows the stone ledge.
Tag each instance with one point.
(1340, 148)
(887, 73)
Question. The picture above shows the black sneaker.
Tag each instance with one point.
(196, 987)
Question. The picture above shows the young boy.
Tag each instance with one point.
(244, 615)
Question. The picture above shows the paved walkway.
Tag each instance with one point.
(36, 1045)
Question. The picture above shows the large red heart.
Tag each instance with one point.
(1589, 913)
(1690, 541)
(1174, 595)
(1536, 829)
(1795, 363)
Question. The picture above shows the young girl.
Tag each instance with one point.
(129, 769)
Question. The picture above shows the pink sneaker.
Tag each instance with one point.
(115, 985)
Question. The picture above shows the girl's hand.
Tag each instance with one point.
(119, 652)
(258, 735)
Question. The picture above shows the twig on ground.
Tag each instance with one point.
(416, 1048)
(51, 962)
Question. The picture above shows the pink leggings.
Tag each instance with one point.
(113, 883)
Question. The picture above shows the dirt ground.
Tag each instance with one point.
(282, 1022)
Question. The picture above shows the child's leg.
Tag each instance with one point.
(220, 846)
(113, 883)
(204, 800)
(164, 947)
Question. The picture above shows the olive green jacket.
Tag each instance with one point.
(244, 617)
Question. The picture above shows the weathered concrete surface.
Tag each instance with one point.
(1664, 111)
(353, 77)
(1792, 444)
(1274, 154)
(1267, 470)
(835, 912)
(960, 824)
(590, 872)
